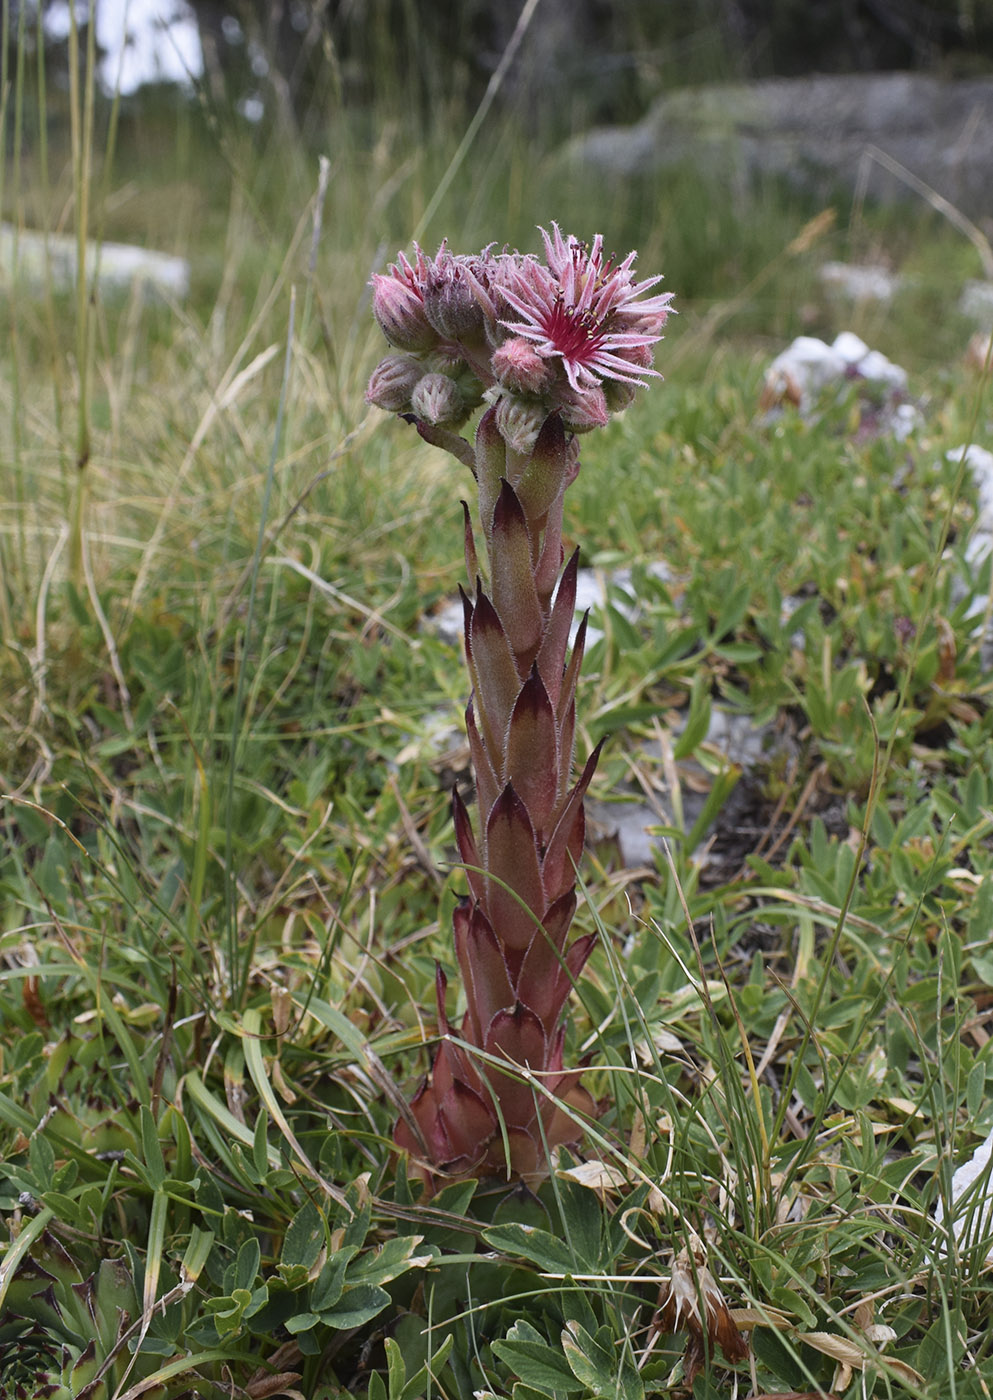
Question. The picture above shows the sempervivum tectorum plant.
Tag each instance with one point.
(552, 348)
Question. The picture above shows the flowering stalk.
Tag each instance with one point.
(552, 348)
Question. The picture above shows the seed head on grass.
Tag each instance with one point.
(552, 348)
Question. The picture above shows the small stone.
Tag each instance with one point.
(859, 284)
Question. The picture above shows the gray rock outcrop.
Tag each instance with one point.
(818, 130)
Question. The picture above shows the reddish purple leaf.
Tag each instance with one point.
(451, 1064)
(484, 972)
(466, 627)
(551, 657)
(491, 468)
(567, 743)
(487, 786)
(565, 848)
(495, 678)
(440, 990)
(547, 981)
(466, 843)
(567, 694)
(526, 1155)
(430, 1144)
(512, 857)
(518, 1037)
(512, 579)
(536, 970)
(561, 1127)
(543, 480)
(471, 560)
(546, 570)
(467, 1121)
(532, 752)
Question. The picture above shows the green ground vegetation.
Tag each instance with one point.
(227, 864)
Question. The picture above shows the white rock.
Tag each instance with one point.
(802, 372)
(976, 302)
(980, 463)
(34, 259)
(850, 347)
(860, 283)
(975, 1220)
(979, 545)
(904, 419)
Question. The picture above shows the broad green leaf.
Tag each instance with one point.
(582, 1225)
(336, 1022)
(536, 1363)
(358, 1306)
(975, 1090)
(304, 1237)
(357, 1228)
(228, 1312)
(197, 1250)
(698, 719)
(41, 1156)
(538, 1246)
(397, 1368)
(331, 1281)
(602, 1368)
(246, 1266)
(392, 1259)
(302, 1322)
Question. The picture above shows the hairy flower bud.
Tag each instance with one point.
(618, 395)
(454, 300)
(399, 309)
(582, 412)
(520, 368)
(392, 382)
(438, 400)
(519, 422)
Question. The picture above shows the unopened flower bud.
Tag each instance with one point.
(520, 368)
(454, 300)
(438, 400)
(581, 413)
(618, 395)
(519, 422)
(392, 382)
(399, 309)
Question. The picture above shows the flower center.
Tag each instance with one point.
(575, 336)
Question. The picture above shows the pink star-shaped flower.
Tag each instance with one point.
(585, 310)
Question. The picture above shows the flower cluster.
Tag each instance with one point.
(552, 348)
(571, 336)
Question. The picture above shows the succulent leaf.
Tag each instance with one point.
(466, 842)
(496, 680)
(515, 897)
(515, 596)
(518, 1036)
(566, 845)
(483, 967)
(487, 785)
(555, 643)
(531, 760)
